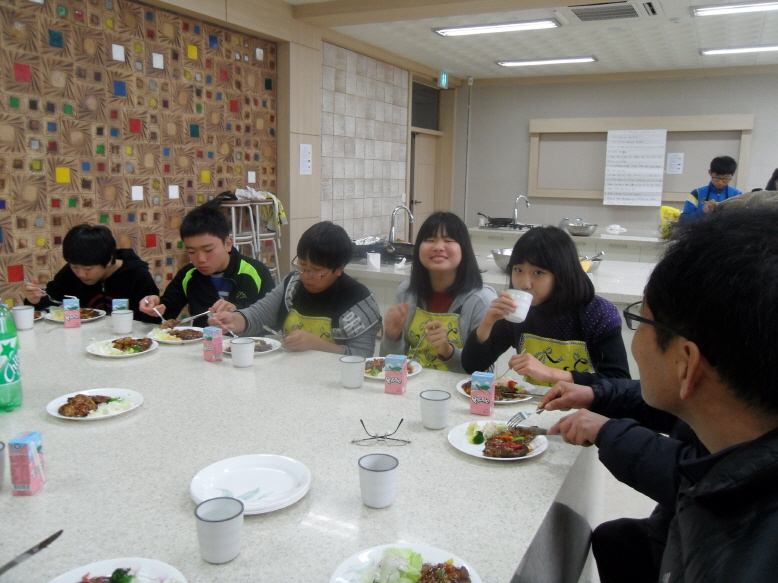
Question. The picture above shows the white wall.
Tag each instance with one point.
(498, 150)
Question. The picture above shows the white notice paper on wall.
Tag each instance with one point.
(306, 159)
(172, 191)
(136, 193)
(674, 163)
(634, 167)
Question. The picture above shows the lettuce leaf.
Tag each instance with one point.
(395, 566)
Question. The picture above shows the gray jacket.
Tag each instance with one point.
(471, 307)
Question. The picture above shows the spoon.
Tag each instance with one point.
(156, 311)
(210, 315)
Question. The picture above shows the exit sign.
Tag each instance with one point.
(443, 80)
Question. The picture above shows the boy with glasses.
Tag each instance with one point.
(704, 199)
(318, 306)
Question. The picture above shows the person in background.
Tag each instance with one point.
(570, 334)
(218, 277)
(725, 523)
(96, 273)
(443, 301)
(318, 306)
(772, 184)
(704, 199)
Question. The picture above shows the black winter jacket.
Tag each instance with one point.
(726, 523)
(132, 281)
(251, 279)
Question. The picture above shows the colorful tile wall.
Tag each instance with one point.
(117, 113)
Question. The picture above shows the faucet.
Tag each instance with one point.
(394, 220)
(516, 208)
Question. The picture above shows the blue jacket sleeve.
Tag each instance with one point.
(690, 208)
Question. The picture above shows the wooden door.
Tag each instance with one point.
(422, 195)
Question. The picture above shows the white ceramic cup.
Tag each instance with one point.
(352, 371)
(122, 321)
(242, 350)
(435, 406)
(377, 479)
(219, 528)
(523, 301)
(374, 261)
(24, 317)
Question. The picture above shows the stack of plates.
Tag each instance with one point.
(264, 483)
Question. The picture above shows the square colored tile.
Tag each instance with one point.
(22, 73)
(197, 29)
(213, 41)
(103, 219)
(36, 165)
(135, 125)
(51, 107)
(58, 240)
(56, 39)
(13, 102)
(205, 176)
(117, 218)
(100, 149)
(208, 79)
(62, 175)
(35, 144)
(167, 167)
(68, 109)
(79, 14)
(98, 76)
(85, 166)
(224, 75)
(194, 130)
(73, 202)
(52, 147)
(101, 166)
(234, 105)
(166, 151)
(120, 89)
(191, 51)
(55, 202)
(62, 10)
(151, 240)
(51, 126)
(15, 273)
(2, 204)
(131, 218)
(40, 222)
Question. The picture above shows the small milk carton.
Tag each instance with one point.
(72, 312)
(120, 305)
(482, 393)
(212, 344)
(395, 374)
(26, 454)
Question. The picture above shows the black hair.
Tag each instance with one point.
(717, 286)
(468, 275)
(772, 184)
(206, 219)
(325, 244)
(89, 245)
(553, 249)
(723, 165)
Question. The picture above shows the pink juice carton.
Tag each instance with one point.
(26, 454)
(395, 374)
(212, 344)
(72, 312)
(482, 393)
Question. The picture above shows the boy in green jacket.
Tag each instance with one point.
(218, 278)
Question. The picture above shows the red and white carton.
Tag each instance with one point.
(395, 374)
(482, 393)
(72, 312)
(26, 454)
(212, 344)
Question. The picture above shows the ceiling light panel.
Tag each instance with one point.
(500, 27)
(739, 50)
(720, 9)
(557, 61)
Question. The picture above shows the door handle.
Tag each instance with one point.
(416, 201)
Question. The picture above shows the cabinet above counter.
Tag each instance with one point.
(639, 246)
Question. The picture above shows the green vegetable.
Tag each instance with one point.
(395, 566)
(478, 438)
(121, 576)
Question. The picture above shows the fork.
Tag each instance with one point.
(522, 416)
(419, 344)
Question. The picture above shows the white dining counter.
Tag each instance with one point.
(119, 487)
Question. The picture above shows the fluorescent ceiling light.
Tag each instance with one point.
(503, 27)
(734, 8)
(739, 50)
(560, 61)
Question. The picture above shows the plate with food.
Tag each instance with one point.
(261, 346)
(87, 315)
(38, 315)
(122, 347)
(506, 391)
(405, 562)
(264, 482)
(94, 404)
(496, 441)
(177, 335)
(130, 570)
(374, 368)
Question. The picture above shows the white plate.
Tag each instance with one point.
(135, 398)
(161, 341)
(40, 315)
(414, 368)
(274, 345)
(145, 571)
(100, 314)
(94, 348)
(458, 438)
(526, 385)
(263, 482)
(350, 570)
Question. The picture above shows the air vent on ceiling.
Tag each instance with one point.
(615, 11)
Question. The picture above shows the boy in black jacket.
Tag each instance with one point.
(218, 279)
(96, 273)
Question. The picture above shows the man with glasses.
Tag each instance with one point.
(705, 347)
(704, 199)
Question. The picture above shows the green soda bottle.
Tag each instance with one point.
(10, 375)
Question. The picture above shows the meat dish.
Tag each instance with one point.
(259, 346)
(169, 324)
(444, 573)
(131, 345)
(375, 366)
(504, 389)
(86, 313)
(513, 442)
(187, 334)
(81, 405)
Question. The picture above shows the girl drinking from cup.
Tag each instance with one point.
(443, 301)
(569, 334)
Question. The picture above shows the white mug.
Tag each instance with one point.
(352, 371)
(122, 321)
(219, 528)
(523, 301)
(378, 479)
(24, 317)
(242, 351)
(435, 406)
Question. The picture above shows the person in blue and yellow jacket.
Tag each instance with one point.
(219, 278)
(704, 199)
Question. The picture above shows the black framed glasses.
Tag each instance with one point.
(312, 273)
(632, 318)
(724, 179)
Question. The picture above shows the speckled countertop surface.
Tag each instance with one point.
(119, 486)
